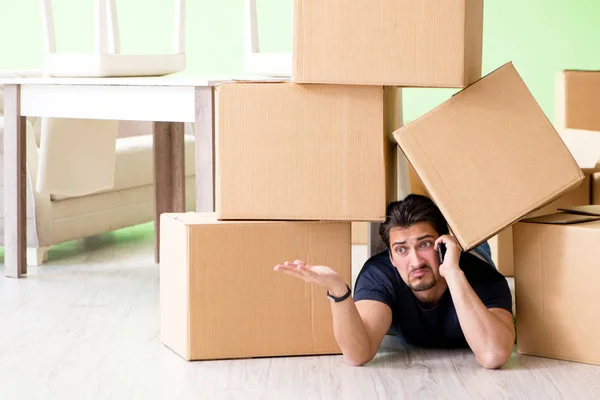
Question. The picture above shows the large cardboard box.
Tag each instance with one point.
(557, 281)
(305, 152)
(434, 43)
(577, 96)
(488, 156)
(220, 297)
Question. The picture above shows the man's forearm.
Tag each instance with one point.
(489, 337)
(350, 332)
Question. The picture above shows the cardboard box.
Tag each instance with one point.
(434, 43)
(220, 297)
(488, 156)
(304, 152)
(360, 233)
(577, 96)
(557, 281)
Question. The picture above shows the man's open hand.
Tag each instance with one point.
(318, 274)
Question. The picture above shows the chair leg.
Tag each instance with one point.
(37, 255)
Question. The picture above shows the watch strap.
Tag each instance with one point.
(339, 299)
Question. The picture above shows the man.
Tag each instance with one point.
(461, 302)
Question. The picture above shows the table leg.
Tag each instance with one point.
(169, 173)
(15, 181)
(205, 135)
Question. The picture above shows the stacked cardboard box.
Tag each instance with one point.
(296, 163)
(556, 281)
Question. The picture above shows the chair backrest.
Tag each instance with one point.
(106, 27)
(272, 64)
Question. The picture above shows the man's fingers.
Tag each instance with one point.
(299, 263)
(291, 271)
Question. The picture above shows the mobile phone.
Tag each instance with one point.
(441, 252)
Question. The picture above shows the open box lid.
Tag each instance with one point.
(570, 215)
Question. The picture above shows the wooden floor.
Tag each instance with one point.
(85, 326)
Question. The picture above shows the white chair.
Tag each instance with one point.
(107, 60)
(269, 64)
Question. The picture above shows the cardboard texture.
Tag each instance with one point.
(220, 297)
(557, 280)
(416, 185)
(393, 42)
(304, 152)
(577, 96)
(360, 233)
(488, 156)
(581, 195)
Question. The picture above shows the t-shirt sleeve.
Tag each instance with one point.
(373, 283)
(492, 288)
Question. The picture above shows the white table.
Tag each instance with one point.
(168, 102)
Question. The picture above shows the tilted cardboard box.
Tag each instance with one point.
(433, 43)
(488, 156)
(220, 297)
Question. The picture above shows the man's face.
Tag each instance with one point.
(414, 256)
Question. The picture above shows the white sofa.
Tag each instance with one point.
(55, 219)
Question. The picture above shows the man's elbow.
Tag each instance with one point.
(358, 360)
(494, 359)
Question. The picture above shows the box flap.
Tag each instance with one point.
(593, 210)
(562, 218)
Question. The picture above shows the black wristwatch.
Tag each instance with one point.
(338, 299)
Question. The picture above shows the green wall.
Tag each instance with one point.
(541, 37)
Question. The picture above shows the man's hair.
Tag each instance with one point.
(412, 210)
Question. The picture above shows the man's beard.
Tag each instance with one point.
(423, 284)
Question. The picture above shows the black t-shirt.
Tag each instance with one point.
(429, 327)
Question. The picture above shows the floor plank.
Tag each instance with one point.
(85, 326)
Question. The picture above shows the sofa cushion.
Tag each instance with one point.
(134, 163)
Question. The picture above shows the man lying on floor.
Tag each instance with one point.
(461, 302)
